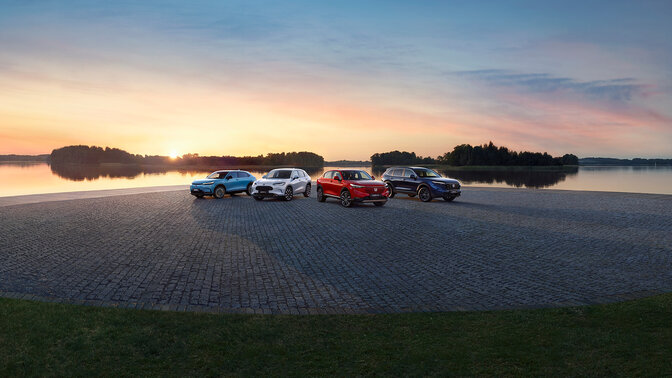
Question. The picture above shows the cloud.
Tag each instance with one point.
(618, 90)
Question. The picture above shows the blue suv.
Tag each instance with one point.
(423, 182)
(219, 183)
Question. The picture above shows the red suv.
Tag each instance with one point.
(349, 186)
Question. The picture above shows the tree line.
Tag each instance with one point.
(97, 155)
(465, 155)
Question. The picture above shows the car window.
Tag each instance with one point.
(356, 175)
(280, 174)
(408, 173)
(222, 175)
(397, 172)
(328, 174)
(243, 174)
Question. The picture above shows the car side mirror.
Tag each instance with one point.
(413, 177)
(373, 177)
(228, 177)
(264, 176)
(337, 178)
(295, 178)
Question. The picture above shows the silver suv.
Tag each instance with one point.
(282, 183)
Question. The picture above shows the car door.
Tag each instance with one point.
(295, 181)
(336, 184)
(411, 181)
(233, 181)
(397, 178)
(325, 181)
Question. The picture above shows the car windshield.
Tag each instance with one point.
(426, 173)
(279, 174)
(216, 175)
(356, 175)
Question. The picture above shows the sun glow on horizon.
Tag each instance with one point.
(173, 154)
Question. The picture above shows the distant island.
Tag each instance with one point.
(347, 163)
(24, 158)
(467, 155)
(626, 162)
(98, 155)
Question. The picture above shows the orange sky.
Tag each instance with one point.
(344, 82)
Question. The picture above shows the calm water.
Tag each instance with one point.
(35, 178)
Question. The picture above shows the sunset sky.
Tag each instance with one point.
(343, 79)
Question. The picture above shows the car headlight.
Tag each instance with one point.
(439, 183)
(358, 186)
(278, 183)
(206, 183)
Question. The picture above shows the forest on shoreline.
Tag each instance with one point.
(99, 155)
(467, 155)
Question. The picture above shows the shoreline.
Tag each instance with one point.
(25, 199)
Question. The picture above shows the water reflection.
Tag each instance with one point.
(536, 179)
(88, 172)
(33, 178)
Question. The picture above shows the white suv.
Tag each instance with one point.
(282, 183)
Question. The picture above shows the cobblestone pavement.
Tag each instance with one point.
(490, 249)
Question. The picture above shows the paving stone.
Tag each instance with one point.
(490, 249)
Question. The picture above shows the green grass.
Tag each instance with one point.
(630, 338)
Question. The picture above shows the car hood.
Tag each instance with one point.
(368, 182)
(445, 180)
(201, 181)
(270, 182)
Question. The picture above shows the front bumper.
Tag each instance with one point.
(369, 199)
(200, 190)
(445, 191)
(273, 191)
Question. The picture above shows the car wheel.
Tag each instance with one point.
(306, 193)
(289, 193)
(424, 194)
(346, 199)
(258, 198)
(448, 198)
(390, 189)
(249, 189)
(220, 191)
(379, 204)
(320, 194)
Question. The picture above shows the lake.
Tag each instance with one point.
(35, 178)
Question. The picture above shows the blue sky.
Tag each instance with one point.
(344, 79)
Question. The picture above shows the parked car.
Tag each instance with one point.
(219, 183)
(282, 183)
(351, 186)
(423, 182)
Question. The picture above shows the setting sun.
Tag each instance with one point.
(173, 154)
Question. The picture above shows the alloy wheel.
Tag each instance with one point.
(289, 193)
(346, 200)
(424, 194)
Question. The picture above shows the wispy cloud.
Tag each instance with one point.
(619, 89)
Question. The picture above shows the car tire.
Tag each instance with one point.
(390, 189)
(346, 198)
(380, 204)
(449, 198)
(258, 198)
(289, 193)
(248, 191)
(424, 194)
(219, 192)
(306, 193)
(320, 194)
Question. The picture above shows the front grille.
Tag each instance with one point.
(264, 188)
(452, 186)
